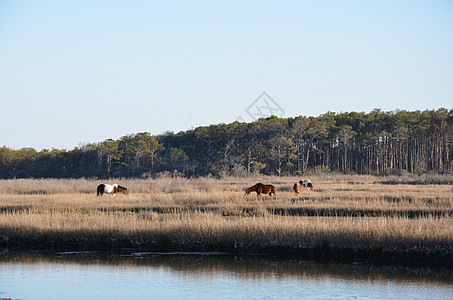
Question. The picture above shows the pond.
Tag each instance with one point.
(86, 275)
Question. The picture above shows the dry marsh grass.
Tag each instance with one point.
(205, 214)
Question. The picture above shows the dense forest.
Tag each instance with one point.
(378, 143)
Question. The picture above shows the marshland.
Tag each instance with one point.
(347, 218)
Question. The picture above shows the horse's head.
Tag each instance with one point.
(123, 190)
(252, 189)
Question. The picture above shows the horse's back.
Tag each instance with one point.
(110, 188)
(107, 189)
(256, 186)
(269, 189)
(307, 183)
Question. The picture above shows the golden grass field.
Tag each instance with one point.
(357, 213)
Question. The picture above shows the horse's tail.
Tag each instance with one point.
(310, 185)
(100, 190)
(273, 190)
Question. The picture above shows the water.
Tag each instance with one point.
(150, 276)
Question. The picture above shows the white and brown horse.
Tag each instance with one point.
(306, 183)
(111, 189)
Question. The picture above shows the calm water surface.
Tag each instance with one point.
(151, 276)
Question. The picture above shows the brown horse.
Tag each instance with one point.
(111, 189)
(297, 188)
(260, 188)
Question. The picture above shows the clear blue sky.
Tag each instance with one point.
(84, 71)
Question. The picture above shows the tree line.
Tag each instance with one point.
(378, 143)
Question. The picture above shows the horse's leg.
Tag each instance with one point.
(258, 194)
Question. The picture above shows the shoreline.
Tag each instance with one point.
(414, 256)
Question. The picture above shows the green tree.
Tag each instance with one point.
(345, 135)
(305, 132)
(108, 151)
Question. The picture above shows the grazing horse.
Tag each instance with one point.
(307, 183)
(297, 188)
(111, 189)
(260, 188)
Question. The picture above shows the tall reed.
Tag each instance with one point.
(210, 214)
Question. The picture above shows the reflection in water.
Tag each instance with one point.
(150, 276)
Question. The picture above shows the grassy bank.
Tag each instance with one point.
(346, 218)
